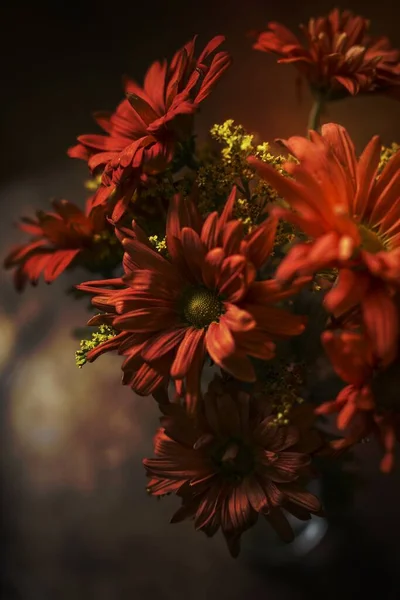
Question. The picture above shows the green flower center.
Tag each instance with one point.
(370, 240)
(201, 307)
(234, 459)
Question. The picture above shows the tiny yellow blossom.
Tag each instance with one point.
(159, 244)
(386, 155)
(219, 173)
(94, 183)
(102, 335)
(282, 383)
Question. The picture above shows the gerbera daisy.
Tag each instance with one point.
(369, 403)
(232, 464)
(352, 218)
(337, 57)
(145, 128)
(202, 299)
(61, 238)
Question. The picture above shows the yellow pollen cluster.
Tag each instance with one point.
(160, 244)
(247, 212)
(105, 236)
(93, 184)
(386, 154)
(234, 137)
(217, 174)
(285, 234)
(283, 407)
(282, 388)
(102, 335)
(215, 180)
(263, 152)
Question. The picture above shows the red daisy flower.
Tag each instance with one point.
(145, 128)
(232, 464)
(67, 235)
(369, 403)
(338, 57)
(352, 218)
(203, 299)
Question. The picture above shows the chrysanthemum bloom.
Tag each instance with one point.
(369, 403)
(61, 238)
(145, 128)
(203, 299)
(233, 464)
(352, 218)
(337, 57)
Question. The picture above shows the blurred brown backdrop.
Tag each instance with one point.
(76, 520)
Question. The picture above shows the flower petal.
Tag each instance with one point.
(186, 351)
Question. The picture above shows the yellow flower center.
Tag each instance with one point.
(201, 307)
(370, 240)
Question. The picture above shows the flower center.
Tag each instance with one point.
(370, 240)
(234, 460)
(201, 307)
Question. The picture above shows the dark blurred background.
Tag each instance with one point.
(76, 519)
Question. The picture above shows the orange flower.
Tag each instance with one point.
(203, 299)
(232, 464)
(352, 217)
(62, 238)
(369, 403)
(338, 57)
(146, 127)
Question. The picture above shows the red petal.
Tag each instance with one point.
(209, 231)
(232, 237)
(162, 343)
(382, 322)
(261, 241)
(227, 212)
(349, 290)
(212, 267)
(186, 351)
(221, 347)
(237, 319)
(60, 260)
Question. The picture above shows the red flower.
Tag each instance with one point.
(338, 57)
(145, 128)
(203, 299)
(369, 403)
(352, 217)
(60, 238)
(233, 464)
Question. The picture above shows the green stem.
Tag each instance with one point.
(314, 120)
(246, 188)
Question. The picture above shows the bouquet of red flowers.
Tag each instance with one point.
(249, 257)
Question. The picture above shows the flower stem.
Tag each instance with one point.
(246, 188)
(314, 120)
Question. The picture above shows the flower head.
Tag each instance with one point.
(143, 132)
(337, 57)
(352, 218)
(67, 235)
(201, 299)
(369, 403)
(232, 464)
